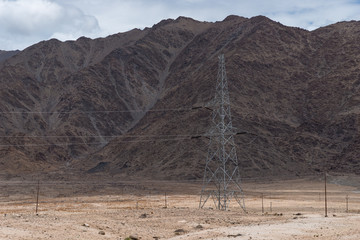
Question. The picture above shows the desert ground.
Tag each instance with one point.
(112, 208)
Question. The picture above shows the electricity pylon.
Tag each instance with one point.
(221, 178)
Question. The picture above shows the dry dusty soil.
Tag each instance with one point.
(115, 209)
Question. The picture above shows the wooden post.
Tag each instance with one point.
(271, 207)
(262, 203)
(165, 201)
(325, 197)
(37, 196)
(347, 203)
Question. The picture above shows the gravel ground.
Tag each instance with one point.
(293, 209)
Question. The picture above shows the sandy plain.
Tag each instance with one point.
(111, 208)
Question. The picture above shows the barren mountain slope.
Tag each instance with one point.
(279, 91)
(125, 104)
(63, 101)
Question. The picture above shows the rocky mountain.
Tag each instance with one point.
(129, 104)
(7, 54)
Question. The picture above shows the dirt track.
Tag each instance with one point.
(293, 209)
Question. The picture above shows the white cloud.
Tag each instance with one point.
(307, 14)
(122, 15)
(24, 22)
(314, 14)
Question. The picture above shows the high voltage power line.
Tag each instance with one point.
(190, 108)
(90, 143)
(143, 138)
(103, 111)
(122, 136)
(99, 136)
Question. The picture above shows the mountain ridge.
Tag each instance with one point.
(121, 104)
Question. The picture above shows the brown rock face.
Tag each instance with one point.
(124, 104)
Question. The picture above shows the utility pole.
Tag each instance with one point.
(37, 196)
(326, 212)
(221, 178)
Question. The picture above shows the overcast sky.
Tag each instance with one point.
(26, 22)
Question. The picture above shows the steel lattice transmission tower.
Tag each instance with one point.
(221, 178)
